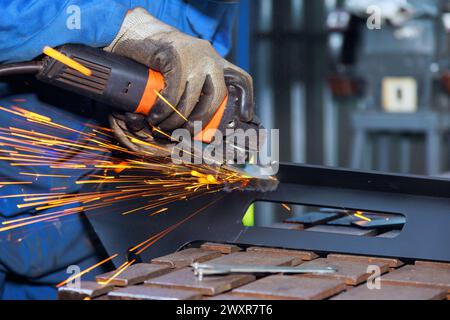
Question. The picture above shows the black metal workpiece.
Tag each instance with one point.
(310, 219)
(425, 203)
(391, 223)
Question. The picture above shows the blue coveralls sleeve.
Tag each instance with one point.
(27, 26)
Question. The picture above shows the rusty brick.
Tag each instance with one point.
(419, 275)
(292, 288)
(222, 248)
(304, 255)
(104, 297)
(430, 264)
(87, 289)
(313, 218)
(390, 234)
(186, 257)
(143, 292)
(286, 226)
(392, 292)
(351, 272)
(134, 274)
(351, 231)
(210, 285)
(392, 262)
(263, 258)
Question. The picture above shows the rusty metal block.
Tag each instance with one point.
(419, 275)
(186, 257)
(134, 274)
(292, 288)
(87, 289)
(351, 272)
(392, 262)
(351, 231)
(210, 285)
(234, 296)
(430, 264)
(143, 292)
(392, 292)
(263, 258)
(313, 218)
(304, 255)
(222, 248)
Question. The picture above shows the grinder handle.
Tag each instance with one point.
(117, 81)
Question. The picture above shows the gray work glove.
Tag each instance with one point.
(193, 71)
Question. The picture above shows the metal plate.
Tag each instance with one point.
(423, 201)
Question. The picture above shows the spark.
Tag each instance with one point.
(118, 272)
(284, 205)
(158, 212)
(360, 214)
(170, 105)
(58, 188)
(4, 183)
(66, 60)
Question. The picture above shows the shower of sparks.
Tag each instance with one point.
(131, 177)
(42, 143)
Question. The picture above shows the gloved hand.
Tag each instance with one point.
(193, 71)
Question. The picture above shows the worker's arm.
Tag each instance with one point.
(27, 26)
(193, 68)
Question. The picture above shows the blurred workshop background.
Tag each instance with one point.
(345, 91)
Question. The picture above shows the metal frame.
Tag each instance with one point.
(425, 202)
